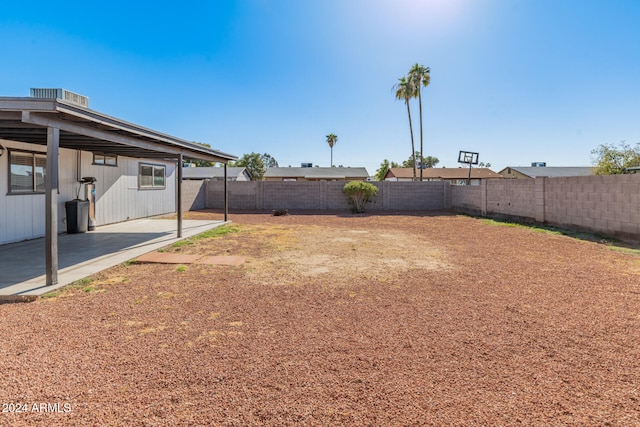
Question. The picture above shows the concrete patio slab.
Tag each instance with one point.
(22, 264)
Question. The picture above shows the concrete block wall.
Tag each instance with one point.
(243, 196)
(608, 205)
(514, 197)
(415, 195)
(304, 195)
(467, 198)
(325, 195)
(604, 204)
(193, 195)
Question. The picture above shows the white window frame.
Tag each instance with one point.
(157, 171)
(103, 159)
(37, 161)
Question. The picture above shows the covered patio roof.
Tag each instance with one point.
(27, 119)
(56, 123)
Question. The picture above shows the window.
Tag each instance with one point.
(105, 159)
(26, 172)
(151, 176)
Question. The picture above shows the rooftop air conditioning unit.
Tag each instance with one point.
(63, 94)
(539, 164)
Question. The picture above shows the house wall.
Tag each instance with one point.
(324, 195)
(513, 174)
(118, 198)
(244, 176)
(608, 205)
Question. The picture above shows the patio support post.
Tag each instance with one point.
(226, 194)
(51, 206)
(179, 196)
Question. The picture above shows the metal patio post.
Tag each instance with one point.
(51, 206)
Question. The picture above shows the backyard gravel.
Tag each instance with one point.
(338, 319)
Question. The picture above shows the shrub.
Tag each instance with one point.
(359, 193)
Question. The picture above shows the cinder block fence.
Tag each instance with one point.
(320, 195)
(609, 205)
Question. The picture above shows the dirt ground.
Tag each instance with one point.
(358, 320)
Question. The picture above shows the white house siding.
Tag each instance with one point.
(118, 199)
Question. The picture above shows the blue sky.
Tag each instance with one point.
(516, 80)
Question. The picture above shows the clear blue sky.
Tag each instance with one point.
(515, 80)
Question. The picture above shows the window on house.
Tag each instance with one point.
(26, 172)
(105, 159)
(151, 176)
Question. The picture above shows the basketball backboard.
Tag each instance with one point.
(468, 157)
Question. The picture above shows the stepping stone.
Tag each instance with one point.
(167, 258)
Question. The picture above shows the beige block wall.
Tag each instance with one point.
(193, 195)
(608, 205)
(467, 198)
(326, 195)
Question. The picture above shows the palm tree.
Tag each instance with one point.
(331, 140)
(419, 76)
(404, 92)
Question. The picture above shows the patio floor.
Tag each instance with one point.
(22, 264)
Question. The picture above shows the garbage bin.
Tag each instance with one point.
(77, 215)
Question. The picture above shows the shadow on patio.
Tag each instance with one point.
(22, 264)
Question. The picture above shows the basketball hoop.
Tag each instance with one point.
(470, 158)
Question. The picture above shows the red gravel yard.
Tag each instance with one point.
(370, 320)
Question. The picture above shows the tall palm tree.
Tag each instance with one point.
(331, 140)
(419, 76)
(404, 92)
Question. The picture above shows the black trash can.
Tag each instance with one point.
(77, 216)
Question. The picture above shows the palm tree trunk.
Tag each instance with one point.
(421, 152)
(413, 145)
(332, 156)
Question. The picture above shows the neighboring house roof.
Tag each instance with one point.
(443, 173)
(551, 171)
(212, 172)
(317, 173)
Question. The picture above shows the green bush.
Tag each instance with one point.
(359, 193)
